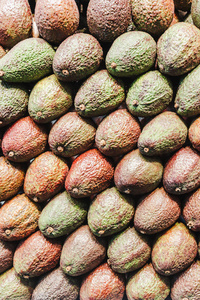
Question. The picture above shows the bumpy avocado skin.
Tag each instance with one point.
(28, 61)
(132, 53)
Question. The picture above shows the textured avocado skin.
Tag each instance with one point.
(77, 57)
(62, 215)
(178, 49)
(99, 94)
(104, 17)
(49, 99)
(110, 212)
(118, 133)
(194, 133)
(28, 61)
(149, 94)
(195, 10)
(14, 287)
(174, 250)
(164, 134)
(132, 53)
(187, 100)
(147, 284)
(13, 102)
(191, 210)
(7, 250)
(82, 252)
(128, 250)
(152, 16)
(57, 26)
(57, 285)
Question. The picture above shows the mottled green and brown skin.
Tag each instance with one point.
(110, 212)
(136, 174)
(147, 284)
(36, 255)
(71, 135)
(14, 287)
(82, 252)
(18, 218)
(128, 251)
(149, 94)
(24, 140)
(182, 171)
(154, 16)
(156, 211)
(90, 173)
(99, 94)
(28, 61)
(173, 250)
(77, 57)
(164, 134)
(132, 53)
(13, 102)
(104, 17)
(195, 9)
(49, 99)
(194, 133)
(191, 210)
(45, 177)
(62, 215)
(7, 250)
(178, 49)
(186, 284)
(15, 22)
(11, 178)
(57, 285)
(118, 133)
(187, 100)
(184, 5)
(103, 284)
(56, 20)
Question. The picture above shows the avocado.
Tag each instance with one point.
(82, 251)
(100, 94)
(117, 133)
(186, 284)
(103, 284)
(49, 99)
(56, 20)
(132, 53)
(164, 134)
(7, 250)
(71, 135)
(182, 171)
(90, 173)
(77, 57)
(173, 250)
(16, 22)
(187, 100)
(45, 177)
(13, 287)
(178, 49)
(137, 174)
(149, 94)
(62, 215)
(18, 218)
(146, 283)
(194, 133)
(24, 140)
(11, 178)
(153, 17)
(191, 210)
(110, 212)
(28, 61)
(36, 255)
(128, 250)
(156, 211)
(195, 9)
(56, 285)
(104, 17)
(13, 102)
